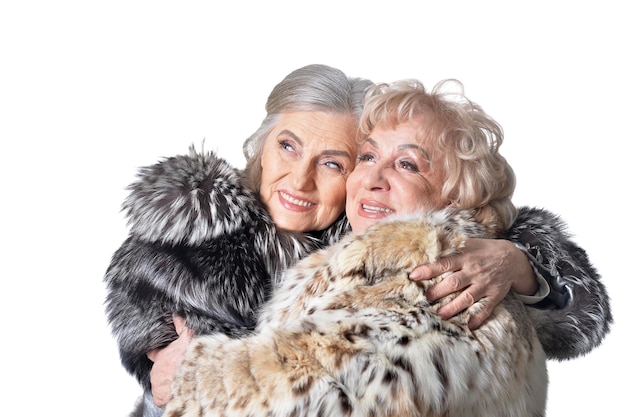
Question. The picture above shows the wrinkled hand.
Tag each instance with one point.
(487, 269)
(166, 362)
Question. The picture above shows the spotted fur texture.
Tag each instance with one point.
(348, 334)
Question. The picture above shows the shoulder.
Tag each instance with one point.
(538, 222)
(187, 199)
(534, 216)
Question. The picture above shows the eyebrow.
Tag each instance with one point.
(402, 147)
(334, 152)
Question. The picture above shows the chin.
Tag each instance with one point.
(361, 225)
(293, 225)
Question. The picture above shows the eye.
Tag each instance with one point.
(408, 165)
(334, 165)
(364, 157)
(286, 145)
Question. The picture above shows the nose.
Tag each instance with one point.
(375, 178)
(303, 175)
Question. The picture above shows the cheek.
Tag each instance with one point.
(352, 185)
(272, 170)
(266, 181)
(265, 193)
(354, 188)
(414, 199)
(333, 196)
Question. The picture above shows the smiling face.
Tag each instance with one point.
(305, 163)
(397, 172)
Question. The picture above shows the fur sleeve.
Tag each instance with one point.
(576, 316)
(188, 199)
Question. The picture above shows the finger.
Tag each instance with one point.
(161, 396)
(458, 304)
(449, 285)
(427, 271)
(479, 318)
(152, 354)
(179, 323)
(161, 387)
(183, 331)
(185, 334)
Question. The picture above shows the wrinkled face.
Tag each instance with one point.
(306, 160)
(397, 172)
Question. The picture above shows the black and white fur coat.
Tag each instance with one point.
(202, 245)
(576, 316)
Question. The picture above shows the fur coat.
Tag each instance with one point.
(346, 334)
(576, 316)
(202, 244)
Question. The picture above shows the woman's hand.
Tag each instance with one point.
(166, 362)
(487, 268)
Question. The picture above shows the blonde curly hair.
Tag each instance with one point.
(477, 175)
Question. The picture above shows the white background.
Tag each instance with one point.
(89, 91)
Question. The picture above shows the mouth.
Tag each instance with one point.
(367, 208)
(374, 210)
(292, 203)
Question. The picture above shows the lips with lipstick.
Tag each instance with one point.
(292, 203)
(374, 209)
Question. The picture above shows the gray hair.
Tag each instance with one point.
(310, 88)
(477, 175)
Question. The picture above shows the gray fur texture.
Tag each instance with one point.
(201, 245)
(576, 316)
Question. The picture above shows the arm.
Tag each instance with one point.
(486, 269)
(136, 311)
(201, 245)
(147, 283)
(176, 203)
(576, 315)
(571, 319)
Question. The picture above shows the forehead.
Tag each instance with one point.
(318, 127)
(404, 135)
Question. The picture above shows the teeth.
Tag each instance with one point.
(295, 200)
(375, 208)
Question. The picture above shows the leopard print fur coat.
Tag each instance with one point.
(347, 333)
